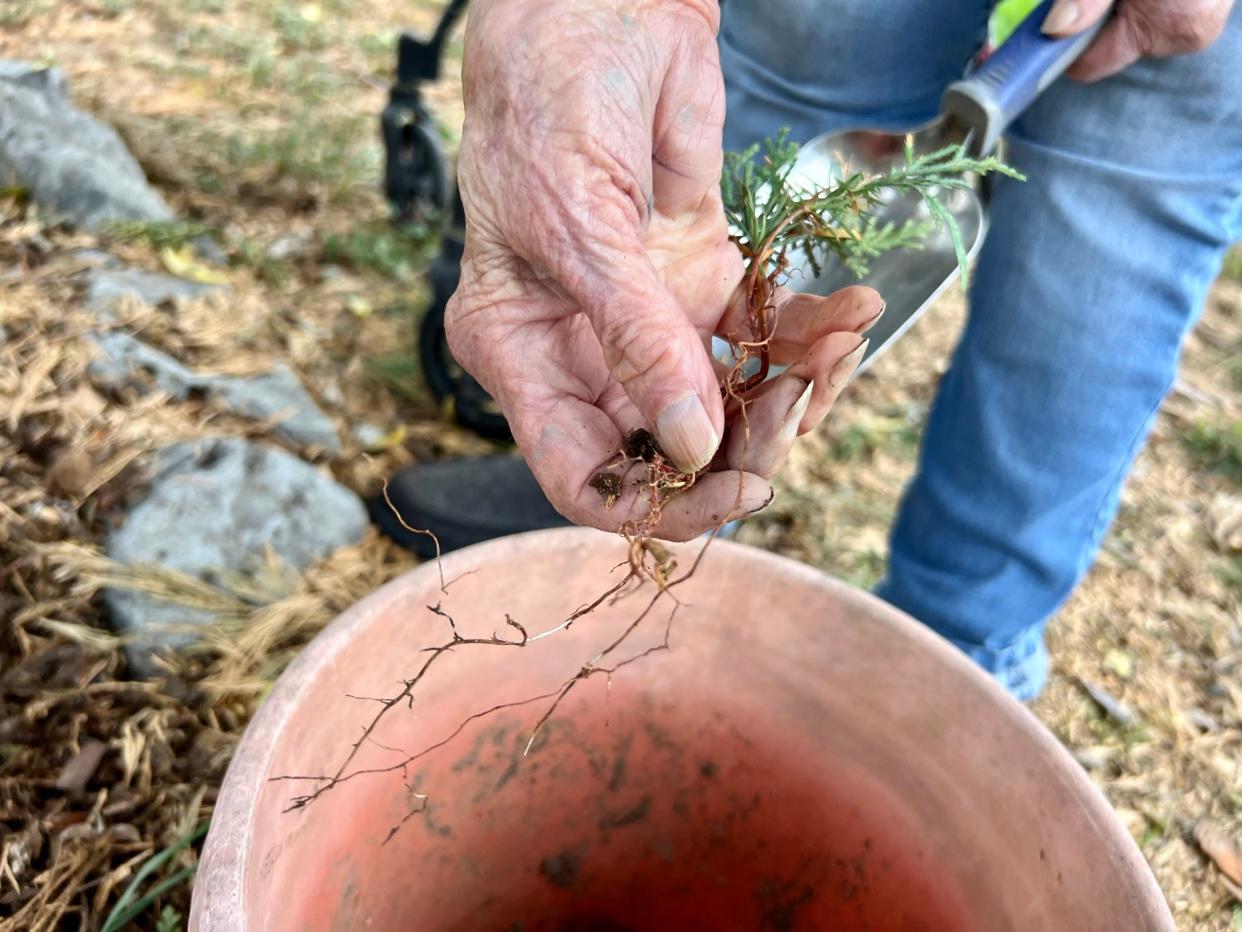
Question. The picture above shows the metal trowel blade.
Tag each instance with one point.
(909, 280)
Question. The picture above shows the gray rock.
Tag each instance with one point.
(277, 395)
(96, 258)
(70, 163)
(217, 508)
(291, 246)
(369, 436)
(106, 287)
(121, 360)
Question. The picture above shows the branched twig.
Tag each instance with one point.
(406, 818)
(406, 695)
(299, 802)
(583, 610)
(590, 669)
(387, 747)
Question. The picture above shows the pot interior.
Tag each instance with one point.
(800, 757)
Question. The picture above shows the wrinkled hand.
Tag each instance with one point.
(598, 263)
(1140, 28)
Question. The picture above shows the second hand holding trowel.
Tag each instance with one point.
(975, 112)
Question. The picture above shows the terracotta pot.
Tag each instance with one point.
(803, 757)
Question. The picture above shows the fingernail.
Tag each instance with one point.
(789, 426)
(686, 433)
(766, 502)
(847, 364)
(870, 322)
(1061, 18)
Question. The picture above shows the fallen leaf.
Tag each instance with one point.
(1224, 851)
(81, 767)
(184, 264)
(1224, 521)
(1112, 706)
(394, 438)
(59, 821)
(72, 471)
(124, 832)
(76, 832)
(1201, 720)
(1119, 662)
(1094, 758)
(24, 848)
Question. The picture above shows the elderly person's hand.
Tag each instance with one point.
(598, 264)
(1156, 28)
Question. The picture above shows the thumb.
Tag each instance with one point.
(1068, 17)
(654, 352)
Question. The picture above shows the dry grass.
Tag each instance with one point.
(70, 456)
(255, 118)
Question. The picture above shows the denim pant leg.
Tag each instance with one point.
(1092, 273)
(817, 66)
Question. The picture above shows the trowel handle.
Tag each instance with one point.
(1007, 83)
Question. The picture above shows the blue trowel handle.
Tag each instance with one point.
(992, 97)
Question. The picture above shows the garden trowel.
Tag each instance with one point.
(974, 111)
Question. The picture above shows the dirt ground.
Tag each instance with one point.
(256, 120)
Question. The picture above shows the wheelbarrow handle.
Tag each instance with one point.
(1009, 81)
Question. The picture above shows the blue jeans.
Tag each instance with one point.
(1090, 277)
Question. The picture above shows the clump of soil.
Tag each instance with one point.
(608, 485)
(641, 444)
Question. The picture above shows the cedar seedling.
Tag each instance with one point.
(770, 216)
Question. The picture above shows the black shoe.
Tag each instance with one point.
(463, 502)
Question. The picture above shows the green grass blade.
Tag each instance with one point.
(115, 920)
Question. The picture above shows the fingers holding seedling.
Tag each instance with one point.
(764, 425)
(804, 319)
(761, 437)
(715, 499)
(801, 319)
(820, 337)
(828, 365)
